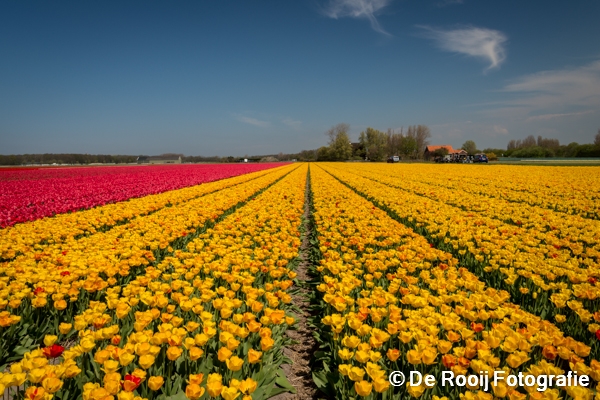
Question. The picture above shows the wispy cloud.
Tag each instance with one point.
(500, 130)
(253, 121)
(557, 93)
(292, 123)
(483, 43)
(357, 9)
(545, 117)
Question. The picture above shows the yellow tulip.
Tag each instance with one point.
(363, 388)
(214, 385)
(36, 375)
(52, 385)
(110, 366)
(248, 386)
(356, 373)
(173, 353)
(126, 359)
(65, 328)
(124, 395)
(266, 343)
(196, 378)
(414, 357)
(49, 340)
(224, 353)
(146, 361)
(234, 363)
(194, 391)
(156, 382)
(195, 353)
(254, 356)
(229, 393)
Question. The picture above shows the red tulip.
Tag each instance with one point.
(131, 383)
(53, 351)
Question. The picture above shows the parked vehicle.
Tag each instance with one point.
(393, 159)
(480, 158)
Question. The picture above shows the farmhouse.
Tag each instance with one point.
(429, 150)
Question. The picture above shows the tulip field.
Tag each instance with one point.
(31, 193)
(178, 282)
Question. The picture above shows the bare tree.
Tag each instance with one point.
(597, 138)
(548, 143)
(529, 141)
(394, 141)
(423, 134)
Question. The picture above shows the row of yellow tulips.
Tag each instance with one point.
(548, 275)
(572, 233)
(206, 321)
(390, 301)
(36, 235)
(570, 190)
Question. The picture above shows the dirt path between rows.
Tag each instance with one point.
(299, 373)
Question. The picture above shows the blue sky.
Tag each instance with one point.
(259, 77)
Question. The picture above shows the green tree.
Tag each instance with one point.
(323, 154)
(470, 147)
(375, 144)
(340, 148)
(492, 150)
(408, 147)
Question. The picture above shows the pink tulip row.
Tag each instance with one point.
(29, 194)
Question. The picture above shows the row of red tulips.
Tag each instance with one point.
(31, 194)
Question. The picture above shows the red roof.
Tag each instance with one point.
(448, 147)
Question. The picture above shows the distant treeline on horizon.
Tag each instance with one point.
(84, 159)
(530, 147)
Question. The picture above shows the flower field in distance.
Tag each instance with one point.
(188, 292)
(28, 194)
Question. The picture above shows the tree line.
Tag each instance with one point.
(546, 147)
(373, 144)
(532, 147)
(86, 159)
(51, 158)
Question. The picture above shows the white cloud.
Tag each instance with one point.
(292, 123)
(253, 121)
(500, 130)
(357, 9)
(487, 44)
(555, 90)
(545, 117)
